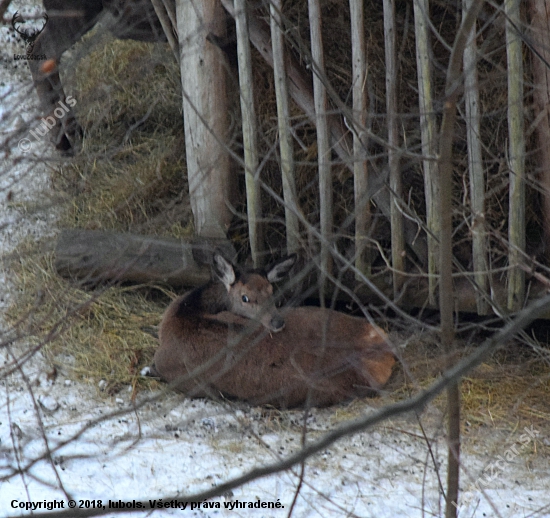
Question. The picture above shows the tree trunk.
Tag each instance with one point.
(516, 147)
(360, 171)
(428, 136)
(205, 109)
(453, 84)
(540, 29)
(288, 170)
(475, 167)
(93, 257)
(396, 217)
(323, 140)
(250, 130)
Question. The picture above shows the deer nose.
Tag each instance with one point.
(277, 324)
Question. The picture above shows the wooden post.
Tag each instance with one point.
(323, 139)
(397, 237)
(300, 91)
(516, 150)
(171, 11)
(540, 29)
(427, 133)
(205, 109)
(285, 136)
(164, 19)
(360, 173)
(249, 127)
(475, 167)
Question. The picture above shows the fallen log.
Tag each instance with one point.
(93, 257)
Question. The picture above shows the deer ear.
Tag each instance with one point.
(223, 270)
(278, 270)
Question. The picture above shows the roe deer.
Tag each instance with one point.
(314, 353)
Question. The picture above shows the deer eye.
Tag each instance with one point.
(245, 299)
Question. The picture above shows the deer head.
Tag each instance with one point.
(28, 34)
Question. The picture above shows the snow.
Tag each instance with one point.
(62, 440)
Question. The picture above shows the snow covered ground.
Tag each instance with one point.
(60, 441)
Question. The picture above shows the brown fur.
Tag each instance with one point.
(281, 369)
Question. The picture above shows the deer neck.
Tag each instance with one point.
(210, 299)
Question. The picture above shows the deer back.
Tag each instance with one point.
(321, 356)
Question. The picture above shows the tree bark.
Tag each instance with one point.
(288, 170)
(396, 217)
(205, 109)
(475, 167)
(250, 130)
(360, 171)
(453, 85)
(428, 136)
(94, 256)
(516, 150)
(323, 140)
(540, 30)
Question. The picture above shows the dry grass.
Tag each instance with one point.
(105, 331)
(510, 389)
(129, 176)
(131, 172)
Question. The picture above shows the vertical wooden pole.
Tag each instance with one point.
(285, 136)
(253, 199)
(166, 24)
(397, 236)
(360, 173)
(475, 167)
(323, 139)
(516, 151)
(205, 111)
(428, 134)
(540, 27)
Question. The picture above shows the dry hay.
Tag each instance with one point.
(105, 331)
(510, 390)
(130, 176)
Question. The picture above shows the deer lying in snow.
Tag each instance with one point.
(227, 337)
